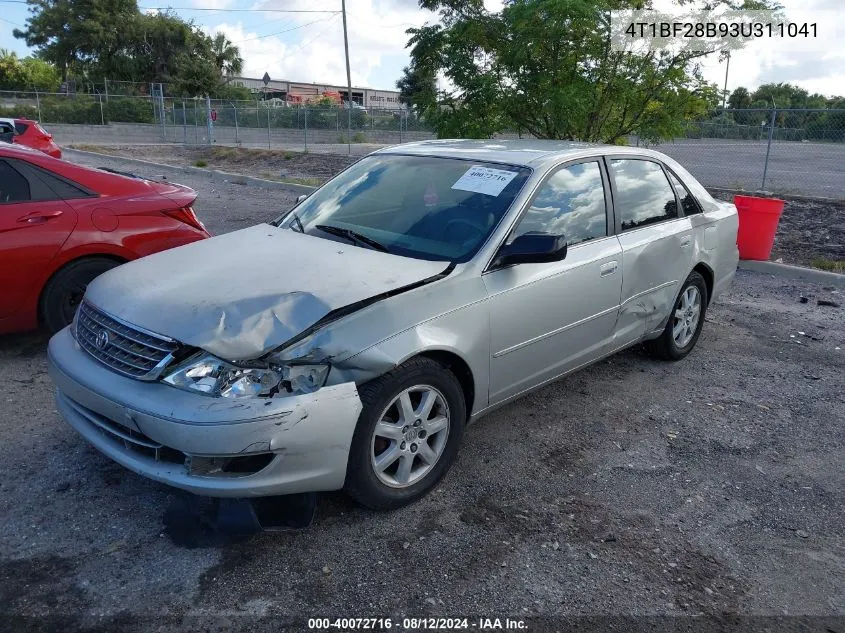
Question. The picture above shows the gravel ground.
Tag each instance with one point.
(709, 486)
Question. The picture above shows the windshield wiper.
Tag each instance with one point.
(353, 236)
(298, 222)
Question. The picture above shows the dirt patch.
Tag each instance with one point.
(288, 166)
(810, 233)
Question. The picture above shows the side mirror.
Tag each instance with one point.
(533, 248)
(300, 199)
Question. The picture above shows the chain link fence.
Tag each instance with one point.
(258, 124)
(784, 151)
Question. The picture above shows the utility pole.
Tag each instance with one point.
(348, 81)
(725, 91)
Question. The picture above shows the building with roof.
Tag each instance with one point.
(299, 92)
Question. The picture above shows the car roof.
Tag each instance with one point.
(525, 152)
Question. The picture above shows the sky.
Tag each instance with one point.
(308, 47)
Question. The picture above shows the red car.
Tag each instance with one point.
(61, 225)
(31, 134)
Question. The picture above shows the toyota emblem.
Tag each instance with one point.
(102, 339)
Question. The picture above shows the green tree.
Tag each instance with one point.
(72, 33)
(740, 98)
(547, 67)
(227, 56)
(12, 72)
(417, 87)
(41, 75)
(28, 73)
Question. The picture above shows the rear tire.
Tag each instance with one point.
(685, 323)
(63, 293)
(399, 453)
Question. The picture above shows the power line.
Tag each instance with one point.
(222, 10)
(12, 23)
(313, 39)
(261, 37)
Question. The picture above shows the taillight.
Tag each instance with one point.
(187, 215)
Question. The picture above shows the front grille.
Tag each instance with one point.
(121, 347)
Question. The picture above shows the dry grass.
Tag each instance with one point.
(830, 265)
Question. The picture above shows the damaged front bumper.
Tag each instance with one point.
(210, 446)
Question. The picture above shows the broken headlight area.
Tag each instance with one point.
(215, 377)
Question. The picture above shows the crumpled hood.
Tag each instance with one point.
(242, 294)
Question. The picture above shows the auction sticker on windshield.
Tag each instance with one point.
(484, 180)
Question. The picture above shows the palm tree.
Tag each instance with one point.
(227, 57)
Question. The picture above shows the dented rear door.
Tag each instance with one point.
(656, 245)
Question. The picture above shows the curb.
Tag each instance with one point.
(201, 171)
(787, 197)
(794, 272)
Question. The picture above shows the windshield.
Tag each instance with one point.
(416, 206)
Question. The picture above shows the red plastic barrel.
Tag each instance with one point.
(758, 223)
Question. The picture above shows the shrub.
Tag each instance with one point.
(129, 110)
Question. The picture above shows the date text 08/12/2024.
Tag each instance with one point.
(416, 624)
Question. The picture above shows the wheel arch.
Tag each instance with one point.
(40, 303)
(458, 366)
(709, 278)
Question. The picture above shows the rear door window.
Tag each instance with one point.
(644, 195)
(21, 127)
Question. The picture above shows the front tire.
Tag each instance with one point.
(63, 293)
(685, 322)
(407, 436)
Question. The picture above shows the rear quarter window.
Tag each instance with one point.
(20, 128)
(688, 202)
(49, 186)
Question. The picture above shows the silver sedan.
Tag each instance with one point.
(348, 343)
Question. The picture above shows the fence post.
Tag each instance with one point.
(268, 128)
(237, 139)
(102, 117)
(306, 130)
(38, 105)
(106, 82)
(161, 111)
(196, 125)
(768, 148)
(401, 116)
(208, 122)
